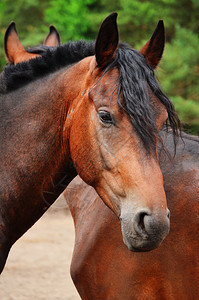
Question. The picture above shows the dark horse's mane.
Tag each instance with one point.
(52, 60)
(136, 76)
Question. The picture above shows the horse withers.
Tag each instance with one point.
(92, 109)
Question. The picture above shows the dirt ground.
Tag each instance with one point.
(38, 264)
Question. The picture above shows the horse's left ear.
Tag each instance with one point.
(53, 38)
(154, 48)
(107, 41)
(14, 51)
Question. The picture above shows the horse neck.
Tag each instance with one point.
(79, 196)
(35, 160)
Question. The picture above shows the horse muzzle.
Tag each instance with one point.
(144, 231)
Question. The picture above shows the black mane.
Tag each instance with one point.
(52, 60)
(135, 78)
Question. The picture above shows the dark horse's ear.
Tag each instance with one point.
(107, 41)
(53, 38)
(154, 48)
(14, 51)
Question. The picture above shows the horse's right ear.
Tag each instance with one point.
(153, 49)
(107, 41)
(14, 51)
(53, 38)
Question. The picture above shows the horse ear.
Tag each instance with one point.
(107, 41)
(14, 51)
(154, 48)
(53, 38)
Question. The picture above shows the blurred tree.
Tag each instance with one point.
(29, 18)
(181, 65)
(137, 20)
(70, 17)
(181, 73)
(138, 17)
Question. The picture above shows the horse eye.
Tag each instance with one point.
(105, 117)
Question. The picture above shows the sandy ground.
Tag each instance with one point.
(38, 264)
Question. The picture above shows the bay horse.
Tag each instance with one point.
(103, 268)
(89, 109)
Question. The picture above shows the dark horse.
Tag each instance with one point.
(92, 109)
(103, 268)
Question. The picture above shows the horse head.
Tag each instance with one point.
(114, 131)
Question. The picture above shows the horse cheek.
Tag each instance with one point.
(83, 148)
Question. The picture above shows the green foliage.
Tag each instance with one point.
(189, 113)
(2, 58)
(136, 19)
(139, 17)
(70, 17)
(180, 75)
(181, 65)
(28, 16)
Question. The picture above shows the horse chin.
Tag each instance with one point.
(139, 245)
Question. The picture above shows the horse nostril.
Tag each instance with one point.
(145, 224)
(168, 214)
(139, 222)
